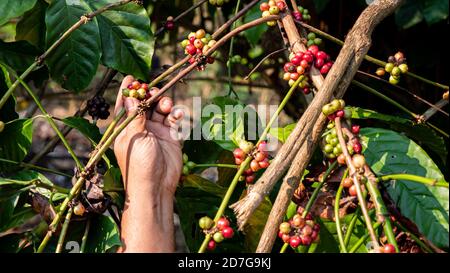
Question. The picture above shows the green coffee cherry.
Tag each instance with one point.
(403, 68)
(185, 158)
(328, 148)
(126, 92)
(190, 164)
(311, 36)
(218, 237)
(389, 67)
(393, 79)
(396, 71)
(318, 41)
(205, 223)
(185, 170)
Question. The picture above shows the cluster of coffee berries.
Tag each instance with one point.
(334, 109)
(137, 90)
(395, 66)
(260, 159)
(272, 8)
(98, 108)
(169, 24)
(347, 183)
(218, 233)
(302, 14)
(313, 40)
(187, 165)
(2, 126)
(218, 3)
(197, 44)
(299, 231)
(330, 145)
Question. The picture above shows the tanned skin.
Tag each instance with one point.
(150, 159)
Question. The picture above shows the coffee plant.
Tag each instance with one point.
(374, 174)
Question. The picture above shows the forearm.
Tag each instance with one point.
(147, 220)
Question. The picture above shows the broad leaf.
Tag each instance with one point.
(104, 235)
(282, 133)
(127, 40)
(6, 211)
(255, 225)
(31, 27)
(196, 198)
(16, 141)
(7, 112)
(14, 8)
(424, 135)
(329, 242)
(254, 34)
(223, 122)
(74, 62)
(17, 55)
(388, 152)
(85, 127)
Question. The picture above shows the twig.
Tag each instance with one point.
(367, 57)
(433, 110)
(262, 61)
(51, 121)
(413, 178)
(31, 166)
(181, 15)
(437, 108)
(398, 105)
(64, 229)
(85, 236)
(353, 173)
(224, 80)
(351, 225)
(336, 213)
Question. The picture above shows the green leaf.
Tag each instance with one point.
(388, 152)
(224, 123)
(31, 27)
(421, 133)
(6, 211)
(17, 55)
(408, 14)
(85, 127)
(435, 11)
(74, 62)
(14, 8)
(7, 112)
(255, 225)
(414, 12)
(196, 198)
(127, 40)
(16, 141)
(329, 242)
(104, 235)
(282, 133)
(254, 34)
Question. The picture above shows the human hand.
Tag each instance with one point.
(147, 151)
